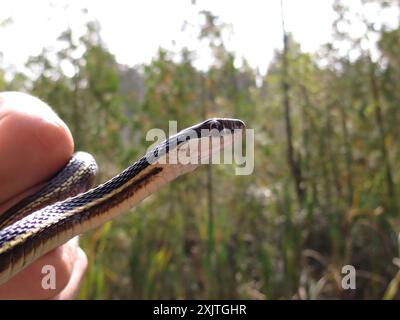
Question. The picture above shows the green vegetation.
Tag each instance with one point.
(325, 188)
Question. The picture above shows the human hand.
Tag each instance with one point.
(34, 144)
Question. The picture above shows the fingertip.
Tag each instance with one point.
(34, 142)
(82, 260)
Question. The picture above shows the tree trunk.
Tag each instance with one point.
(293, 163)
(382, 134)
(348, 154)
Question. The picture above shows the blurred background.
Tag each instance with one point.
(319, 81)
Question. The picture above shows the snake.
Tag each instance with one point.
(68, 205)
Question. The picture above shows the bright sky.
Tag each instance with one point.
(133, 30)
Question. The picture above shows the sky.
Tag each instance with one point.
(134, 30)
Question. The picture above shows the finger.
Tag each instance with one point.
(72, 288)
(34, 143)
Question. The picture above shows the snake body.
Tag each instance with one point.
(36, 225)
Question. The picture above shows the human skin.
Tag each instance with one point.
(34, 144)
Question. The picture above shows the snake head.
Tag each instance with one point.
(221, 124)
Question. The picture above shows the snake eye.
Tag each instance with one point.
(216, 125)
